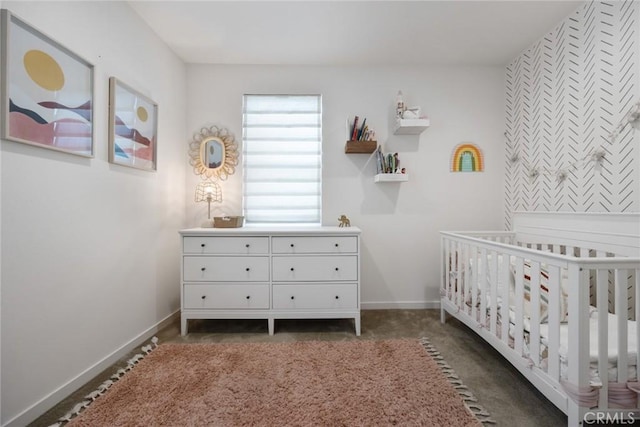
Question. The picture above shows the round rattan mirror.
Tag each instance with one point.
(213, 153)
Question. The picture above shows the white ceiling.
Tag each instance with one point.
(451, 32)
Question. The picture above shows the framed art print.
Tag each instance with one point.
(47, 90)
(133, 127)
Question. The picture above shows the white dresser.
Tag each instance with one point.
(270, 273)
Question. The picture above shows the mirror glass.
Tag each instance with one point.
(212, 153)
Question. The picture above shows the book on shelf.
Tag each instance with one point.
(354, 129)
(359, 130)
(379, 161)
(388, 163)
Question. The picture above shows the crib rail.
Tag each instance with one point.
(541, 305)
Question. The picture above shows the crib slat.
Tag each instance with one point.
(602, 291)
(519, 326)
(483, 285)
(459, 284)
(578, 343)
(554, 323)
(621, 314)
(446, 264)
(535, 304)
(505, 273)
(469, 278)
(474, 282)
(494, 292)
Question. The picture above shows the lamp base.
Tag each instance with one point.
(207, 223)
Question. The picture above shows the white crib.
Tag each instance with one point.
(553, 277)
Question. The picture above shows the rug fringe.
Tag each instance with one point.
(102, 388)
(469, 399)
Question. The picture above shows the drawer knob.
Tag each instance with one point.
(248, 296)
(203, 245)
(337, 269)
(204, 296)
(292, 297)
(203, 268)
(247, 245)
(337, 245)
(248, 269)
(292, 245)
(292, 268)
(337, 297)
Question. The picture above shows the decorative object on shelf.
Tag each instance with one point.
(409, 120)
(47, 91)
(133, 127)
(228, 221)
(213, 153)
(343, 221)
(631, 118)
(467, 157)
(208, 191)
(399, 105)
(411, 113)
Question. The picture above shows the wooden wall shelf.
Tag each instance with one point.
(360, 147)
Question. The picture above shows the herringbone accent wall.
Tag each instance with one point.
(564, 95)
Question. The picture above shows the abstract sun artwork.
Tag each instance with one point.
(467, 157)
(47, 91)
(133, 124)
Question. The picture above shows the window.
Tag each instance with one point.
(282, 158)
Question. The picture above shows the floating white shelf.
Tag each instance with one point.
(410, 126)
(391, 177)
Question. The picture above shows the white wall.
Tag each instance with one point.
(89, 249)
(400, 222)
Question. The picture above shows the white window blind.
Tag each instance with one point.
(282, 158)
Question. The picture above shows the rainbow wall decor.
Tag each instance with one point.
(467, 157)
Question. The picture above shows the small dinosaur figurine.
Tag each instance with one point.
(344, 221)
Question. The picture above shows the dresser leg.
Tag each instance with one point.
(357, 322)
(183, 325)
(271, 323)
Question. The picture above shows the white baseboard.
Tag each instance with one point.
(407, 305)
(53, 398)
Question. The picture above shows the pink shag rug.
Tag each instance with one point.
(346, 383)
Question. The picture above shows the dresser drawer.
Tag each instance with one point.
(315, 296)
(226, 296)
(226, 269)
(226, 245)
(314, 244)
(315, 268)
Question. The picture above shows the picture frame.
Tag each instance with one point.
(47, 90)
(133, 127)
